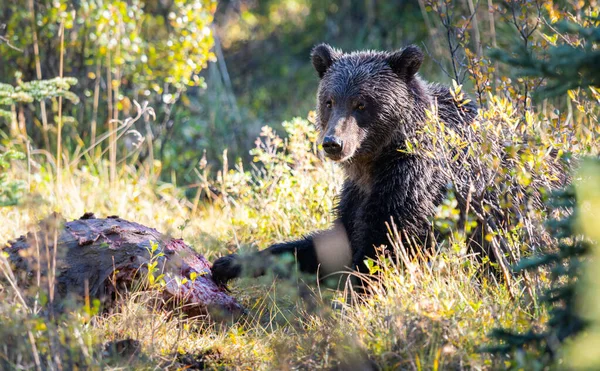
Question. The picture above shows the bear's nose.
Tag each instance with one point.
(332, 145)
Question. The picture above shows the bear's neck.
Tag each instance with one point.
(361, 170)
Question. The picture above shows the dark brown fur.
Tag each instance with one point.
(369, 104)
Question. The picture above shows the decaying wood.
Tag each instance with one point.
(100, 258)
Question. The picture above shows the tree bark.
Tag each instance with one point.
(104, 258)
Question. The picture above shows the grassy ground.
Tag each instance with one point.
(425, 316)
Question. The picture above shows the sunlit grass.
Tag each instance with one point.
(430, 315)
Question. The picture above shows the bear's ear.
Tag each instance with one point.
(323, 56)
(406, 62)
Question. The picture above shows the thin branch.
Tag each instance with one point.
(436, 61)
(7, 42)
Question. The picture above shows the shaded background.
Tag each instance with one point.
(216, 72)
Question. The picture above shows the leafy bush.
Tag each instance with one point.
(10, 190)
(119, 52)
(284, 183)
(28, 92)
(565, 266)
(566, 65)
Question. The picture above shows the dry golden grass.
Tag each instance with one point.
(431, 315)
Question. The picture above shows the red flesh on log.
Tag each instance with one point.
(106, 255)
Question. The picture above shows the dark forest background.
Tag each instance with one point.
(234, 66)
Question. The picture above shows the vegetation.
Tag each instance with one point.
(73, 138)
(566, 266)
(566, 67)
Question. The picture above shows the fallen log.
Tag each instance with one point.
(102, 258)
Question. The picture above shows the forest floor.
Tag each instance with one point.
(433, 315)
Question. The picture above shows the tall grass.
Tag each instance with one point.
(430, 315)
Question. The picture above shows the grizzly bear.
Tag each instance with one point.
(369, 105)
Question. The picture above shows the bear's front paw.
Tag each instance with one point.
(226, 268)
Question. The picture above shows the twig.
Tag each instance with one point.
(59, 129)
(96, 101)
(436, 61)
(122, 128)
(38, 72)
(7, 42)
(225, 76)
(473, 10)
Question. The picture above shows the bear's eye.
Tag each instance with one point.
(329, 103)
(360, 106)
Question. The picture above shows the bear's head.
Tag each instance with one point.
(366, 99)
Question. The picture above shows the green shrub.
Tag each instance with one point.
(11, 190)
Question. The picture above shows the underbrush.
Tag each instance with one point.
(420, 315)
